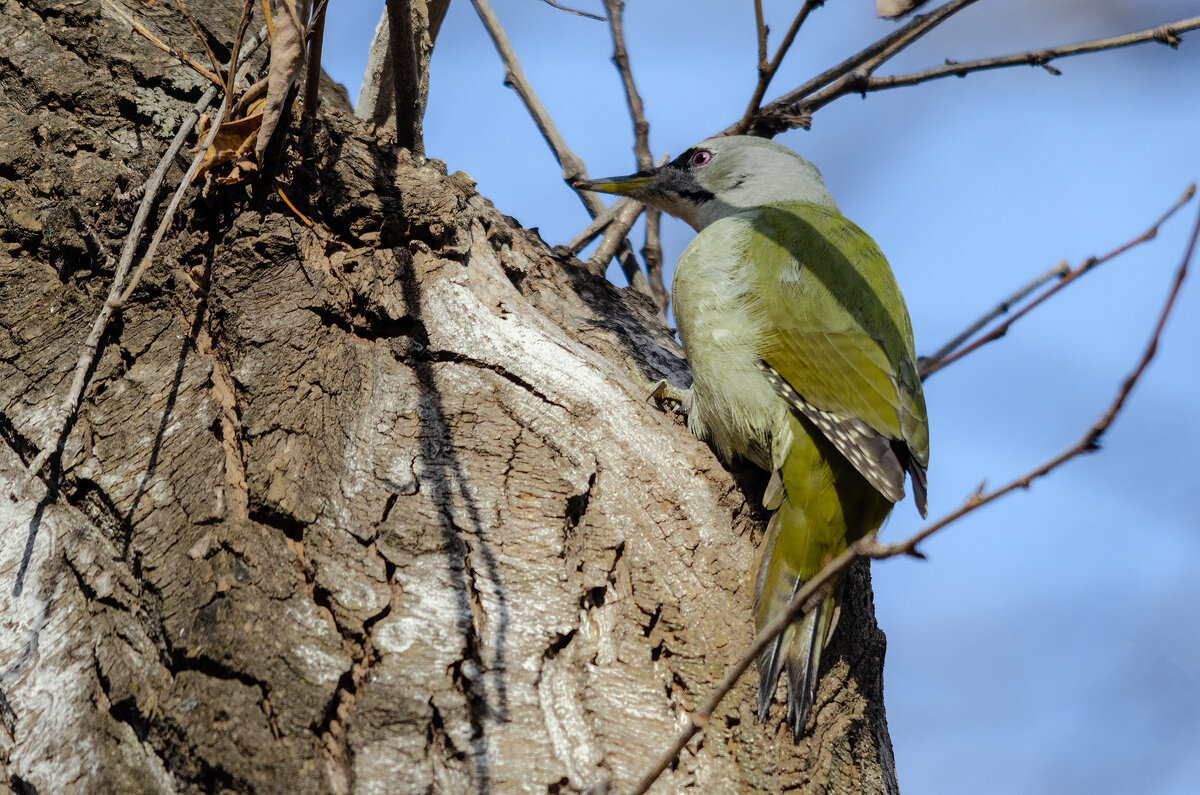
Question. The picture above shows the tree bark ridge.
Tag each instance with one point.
(358, 508)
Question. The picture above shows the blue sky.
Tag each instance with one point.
(1051, 643)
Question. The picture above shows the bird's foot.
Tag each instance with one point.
(661, 391)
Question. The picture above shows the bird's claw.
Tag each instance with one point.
(661, 390)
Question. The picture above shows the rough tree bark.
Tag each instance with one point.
(369, 507)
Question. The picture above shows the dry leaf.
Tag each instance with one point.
(235, 140)
(287, 65)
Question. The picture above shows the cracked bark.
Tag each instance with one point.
(366, 509)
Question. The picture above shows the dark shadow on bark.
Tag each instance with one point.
(634, 334)
(35, 525)
(442, 472)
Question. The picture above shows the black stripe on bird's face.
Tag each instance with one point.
(675, 180)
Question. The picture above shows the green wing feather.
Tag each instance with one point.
(838, 333)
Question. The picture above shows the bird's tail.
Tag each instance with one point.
(798, 651)
(822, 504)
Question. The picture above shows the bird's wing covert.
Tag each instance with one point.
(838, 341)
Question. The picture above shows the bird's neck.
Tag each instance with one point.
(798, 183)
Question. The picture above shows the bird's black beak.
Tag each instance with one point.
(632, 185)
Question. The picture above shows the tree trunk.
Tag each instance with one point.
(364, 507)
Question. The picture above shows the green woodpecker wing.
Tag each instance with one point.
(838, 341)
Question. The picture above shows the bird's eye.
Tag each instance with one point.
(701, 158)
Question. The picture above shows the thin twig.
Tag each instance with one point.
(1167, 34)
(641, 127)
(63, 414)
(169, 215)
(767, 70)
(942, 359)
(571, 164)
(613, 236)
(785, 112)
(1088, 443)
(1059, 271)
(231, 84)
(174, 52)
(514, 77)
(597, 225)
(652, 248)
(596, 17)
(853, 76)
(761, 30)
(868, 547)
(653, 257)
(212, 56)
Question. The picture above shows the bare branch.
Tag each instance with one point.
(868, 547)
(653, 257)
(761, 29)
(948, 355)
(572, 165)
(514, 78)
(171, 50)
(766, 71)
(312, 76)
(1059, 271)
(641, 127)
(652, 248)
(597, 226)
(1088, 443)
(617, 229)
(63, 414)
(573, 11)
(1166, 34)
(787, 111)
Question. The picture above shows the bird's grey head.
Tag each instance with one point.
(720, 177)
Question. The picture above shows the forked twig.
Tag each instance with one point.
(767, 69)
(572, 165)
(787, 112)
(951, 352)
(171, 50)
(64, 412)
(652, 248)
(861, 84)
(617, 229)
(597, 225)
(1088, 443)
(1057, 272)
(868, 547)
(854, 75)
